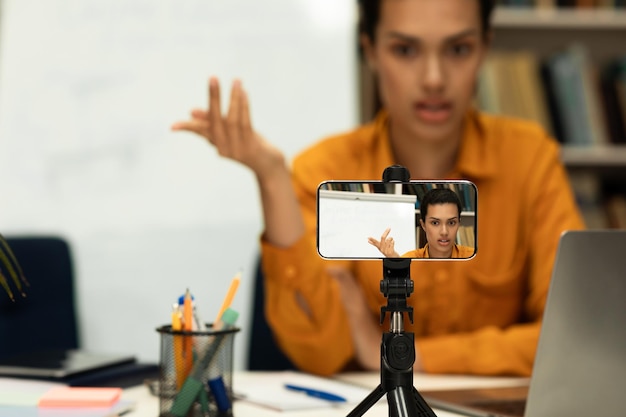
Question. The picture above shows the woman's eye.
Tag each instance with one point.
(404, 50)
(461, 49)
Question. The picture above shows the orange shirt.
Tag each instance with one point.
(458, 252)
(480, 316)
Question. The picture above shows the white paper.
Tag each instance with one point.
(272, 393)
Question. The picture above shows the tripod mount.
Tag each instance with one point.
(397, 350)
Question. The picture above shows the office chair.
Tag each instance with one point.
(263, 352)
(46, 317)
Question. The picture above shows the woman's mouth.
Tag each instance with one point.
(444, 242)
(433, 111)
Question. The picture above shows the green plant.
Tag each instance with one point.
(13, 269)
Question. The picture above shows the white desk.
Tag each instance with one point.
(148, 405)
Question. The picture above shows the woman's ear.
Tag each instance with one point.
(422, 225)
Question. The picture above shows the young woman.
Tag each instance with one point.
(480, 316)
(440, 218)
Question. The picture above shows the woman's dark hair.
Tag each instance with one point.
(369, 14)
(438, 196)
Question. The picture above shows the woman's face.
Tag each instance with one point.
(426, 55)
(441, 225)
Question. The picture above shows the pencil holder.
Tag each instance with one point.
(196, 372)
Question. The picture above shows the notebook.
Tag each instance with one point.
(59, 363)
(580, 364)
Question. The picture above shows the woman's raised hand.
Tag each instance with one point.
(232, 134)
(385, 245)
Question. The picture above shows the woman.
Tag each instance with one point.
(440, 218)
(480, 316)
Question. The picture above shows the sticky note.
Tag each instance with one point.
(80, 397)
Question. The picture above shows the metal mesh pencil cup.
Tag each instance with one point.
(196, 370)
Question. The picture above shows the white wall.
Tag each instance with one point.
(88, 90)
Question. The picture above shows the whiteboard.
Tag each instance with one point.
(346, 219)
(88, 91)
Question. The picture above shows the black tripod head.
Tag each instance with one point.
(396, 286)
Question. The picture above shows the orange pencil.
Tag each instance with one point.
(179, 363)
(232, 290)
(188, 326)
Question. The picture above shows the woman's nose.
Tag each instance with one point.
(433, 77)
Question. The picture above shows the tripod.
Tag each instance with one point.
(397, 349)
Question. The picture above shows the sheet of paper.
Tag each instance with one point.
(273, 394)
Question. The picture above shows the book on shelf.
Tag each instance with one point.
(574, 85)
(615, 206)
(613, 87)
(587, 190)
(619, 84)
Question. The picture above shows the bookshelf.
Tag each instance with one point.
(597, 170)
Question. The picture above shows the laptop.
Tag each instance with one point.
(59, 364)
(580, 364)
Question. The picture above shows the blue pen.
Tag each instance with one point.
(311, 392)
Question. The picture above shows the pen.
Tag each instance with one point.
(198, 324)
(311, 392)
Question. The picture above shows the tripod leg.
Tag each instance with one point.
(367, 402)
(401, 402)
(407, 402)
(423, 408)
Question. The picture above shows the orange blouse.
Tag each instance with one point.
(458, 252)
(480, 316)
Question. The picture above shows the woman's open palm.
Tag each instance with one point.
(232, 134)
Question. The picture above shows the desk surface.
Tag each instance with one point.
(148, 405)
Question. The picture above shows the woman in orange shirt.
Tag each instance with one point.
(480, 316)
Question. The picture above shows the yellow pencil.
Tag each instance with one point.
(232, 290)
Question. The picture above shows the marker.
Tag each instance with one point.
(311, 392)
(220, 394)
